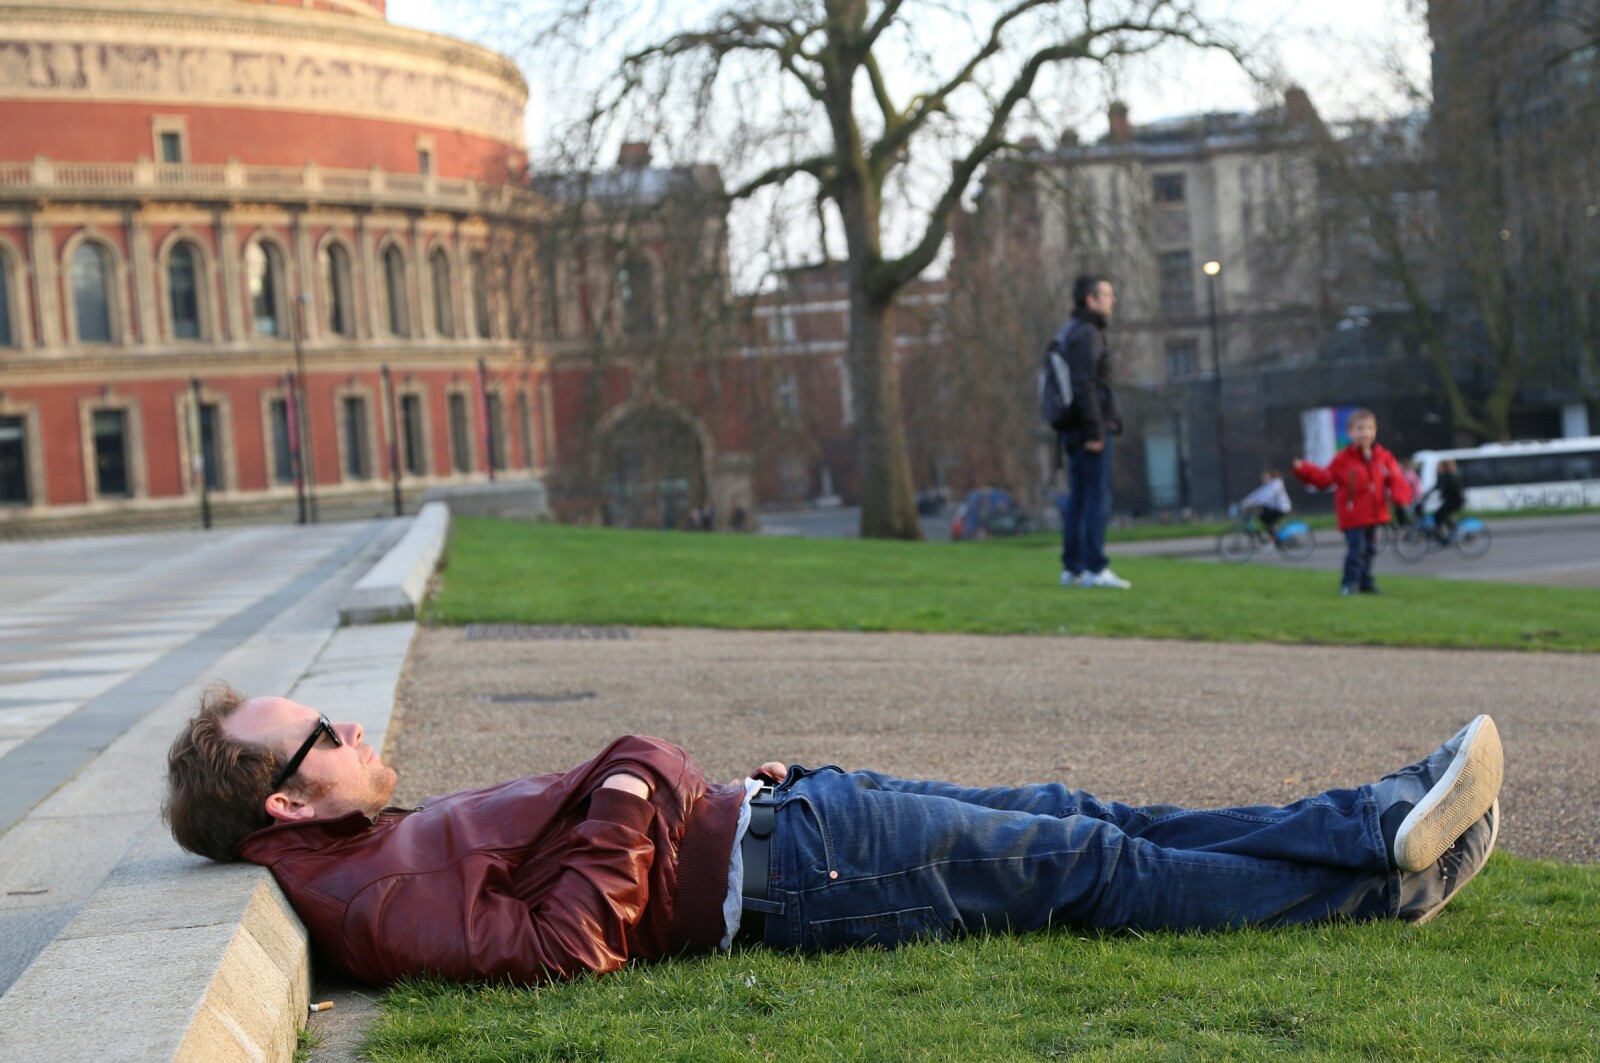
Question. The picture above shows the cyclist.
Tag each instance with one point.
(1271, 501)
(1451, 500)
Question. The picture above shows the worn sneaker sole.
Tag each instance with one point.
(1494, 836)
(1460, 798)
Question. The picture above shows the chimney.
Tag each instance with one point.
(634, 155)
(1029, 143)
(1121, 128)
(1297, 107)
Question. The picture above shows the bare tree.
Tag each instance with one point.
(1484, 219)
(834, 98)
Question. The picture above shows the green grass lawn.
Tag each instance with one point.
(1508, 972)
(504, 571)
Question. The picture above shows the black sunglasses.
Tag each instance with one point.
(324, 727)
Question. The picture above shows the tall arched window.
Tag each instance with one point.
(336, 283)
(263, 268)
(8, 336)
(636, 282)
(394, 287)
(444, 316)
(91, 293)
(478, 277)
(183, 291)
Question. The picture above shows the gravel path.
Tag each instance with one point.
(1131, 720)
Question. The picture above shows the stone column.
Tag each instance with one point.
(46, 289)
(417, 271)
(310, 316)
(144, 278)
(367, 266)
(232, 294)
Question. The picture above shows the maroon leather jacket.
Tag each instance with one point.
(532, 880)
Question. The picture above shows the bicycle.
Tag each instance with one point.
(1420, 538)
(1239, 544)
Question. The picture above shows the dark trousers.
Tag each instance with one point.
(1083, 518)
(1360, 546)
(863, 858)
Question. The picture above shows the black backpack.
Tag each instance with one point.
(1055, 382)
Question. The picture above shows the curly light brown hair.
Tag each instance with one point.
(217, 786)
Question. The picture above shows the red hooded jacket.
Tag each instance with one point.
(1363, 488)
(533, 880)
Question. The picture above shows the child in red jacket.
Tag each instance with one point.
(1365, 478)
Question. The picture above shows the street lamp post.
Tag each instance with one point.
(308, 468)
(1212, 269)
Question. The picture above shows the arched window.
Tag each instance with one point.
(444, 316)
(394, 287)
(7, 333)
(636, 282)
(263, 267)
(480, 296)
(91, 293)
(336, 283)
(183, 291)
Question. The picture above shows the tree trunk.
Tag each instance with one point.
(888, 507)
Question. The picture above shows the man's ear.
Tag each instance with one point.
(285, 808)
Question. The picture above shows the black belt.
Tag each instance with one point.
(756, 848)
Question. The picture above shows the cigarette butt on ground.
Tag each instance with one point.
(325, 1005)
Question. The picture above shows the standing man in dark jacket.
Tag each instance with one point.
(1087, 443)
(634, 855)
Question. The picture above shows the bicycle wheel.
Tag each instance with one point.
(1383, 538)
(1297, 545)
(1473, 542)
(1236, 545)
(1412, 544)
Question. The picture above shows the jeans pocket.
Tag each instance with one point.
(886, 930)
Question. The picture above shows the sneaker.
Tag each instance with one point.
(1346, 591)
(1429, 804)
(1071, 579)
(1424, 893)
(1104, 578)
(1371, 590)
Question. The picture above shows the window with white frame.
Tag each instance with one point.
(444, 316)
(263, 270)
(91, 293)
(183, 291)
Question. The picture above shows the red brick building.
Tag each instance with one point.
(191, 194)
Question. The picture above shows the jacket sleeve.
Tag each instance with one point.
(1399, 486)
(1081, 354)
(398, 928)
(1317, 476)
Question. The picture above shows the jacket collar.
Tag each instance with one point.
(277, 840)
(1093, 317)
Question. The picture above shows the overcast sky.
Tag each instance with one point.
(1337, 52)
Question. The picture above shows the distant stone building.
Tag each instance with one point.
(191, 193)
(1208, 225)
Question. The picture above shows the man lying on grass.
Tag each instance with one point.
(634, 855)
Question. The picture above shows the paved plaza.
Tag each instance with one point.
(104, 643)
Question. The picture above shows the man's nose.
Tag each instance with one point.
(352, 733)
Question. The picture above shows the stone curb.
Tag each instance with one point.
(396, 585)
(175, 958)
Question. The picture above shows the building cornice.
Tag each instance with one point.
(46, 182)
(246, 55)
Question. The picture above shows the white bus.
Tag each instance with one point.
(1538, 474)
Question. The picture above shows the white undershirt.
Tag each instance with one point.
(734, 904)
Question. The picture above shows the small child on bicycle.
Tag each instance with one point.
(1366, 479)
(1271, 500)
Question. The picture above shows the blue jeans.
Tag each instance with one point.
(1083, 518)
(1361, 546)
(861, 857)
